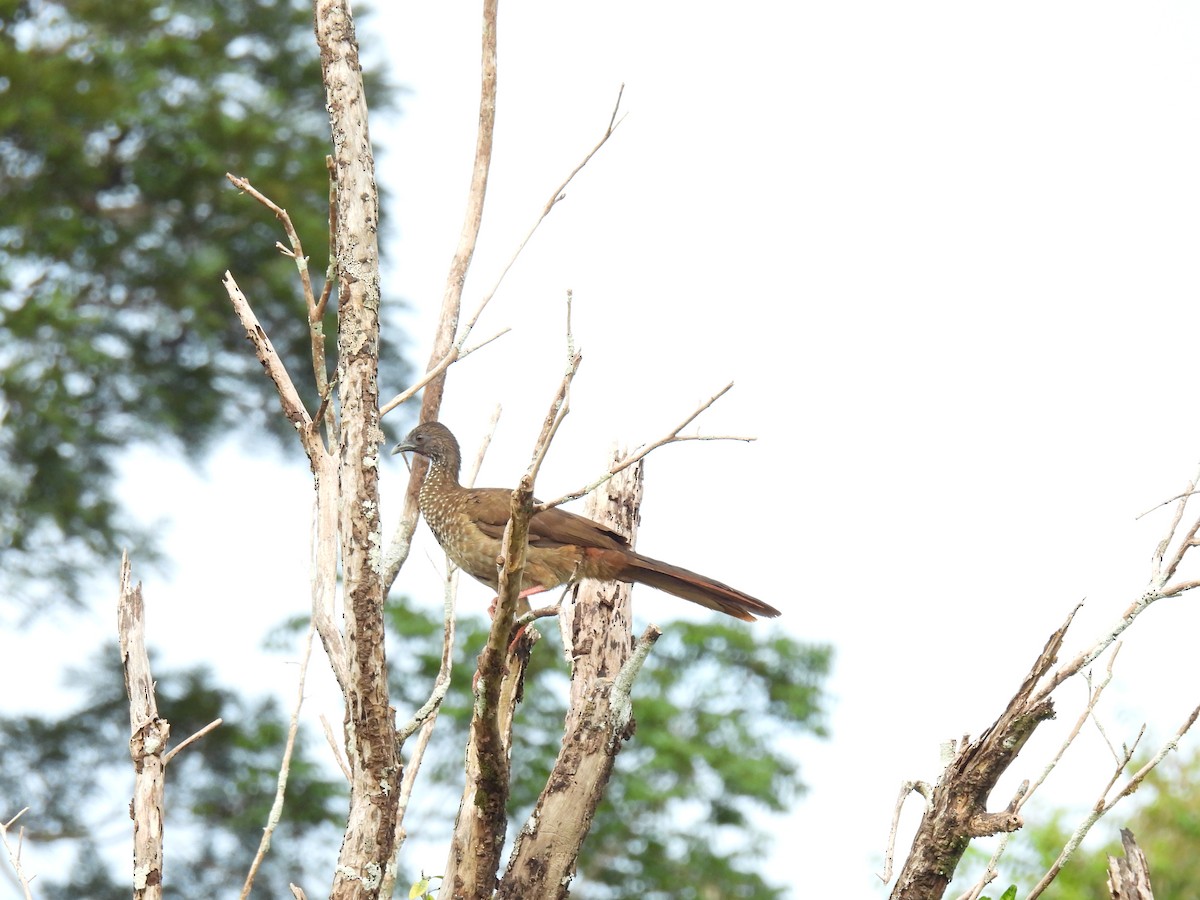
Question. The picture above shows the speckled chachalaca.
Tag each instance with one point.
(563, 547)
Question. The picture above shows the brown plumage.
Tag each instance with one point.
(563, 547)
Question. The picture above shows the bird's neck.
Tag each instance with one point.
(443, 474)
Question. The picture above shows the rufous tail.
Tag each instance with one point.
(697, 588)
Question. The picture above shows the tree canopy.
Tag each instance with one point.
(719, 709)
(118, 122)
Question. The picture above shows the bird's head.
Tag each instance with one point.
(433, 440)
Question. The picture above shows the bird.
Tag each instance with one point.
(563, 547)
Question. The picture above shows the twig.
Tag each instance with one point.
(488, 434)
(297, 250)
(1161, 550)
(889, 854)
(441, 684)
(1179, 588)
(623, 683)
(559, 409)
(14, 855)
(671, 437)
(1103, 805)
(335, 747)
(331, 269)
(542, 612)
(289, 397)
(1184, 546)
(211, 726)
(1093, 699)
(445, 358)
(989, 873)
(1156, 590)
(456, 353)
(426, 717)
(148, 741)
(289, 746)
(316, 310)
(1183, 495)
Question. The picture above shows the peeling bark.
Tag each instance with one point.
(370, 722)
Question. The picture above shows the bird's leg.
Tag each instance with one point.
(523, 606)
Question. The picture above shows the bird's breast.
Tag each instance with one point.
(448, 517)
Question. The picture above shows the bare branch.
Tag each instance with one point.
(148, 743)
(1187, 492)
(671, 437)
(289, 397)
(441, 684)
(597, 628)
(623, 683)
(211, 726)
(542, 612)
(1093, 699)
(14, 854)
(559, 409)
(488, 434)
(1104, 805)
(889, 854)
(323, 554)
(1185, 545)
(370, 725)
(338, 756)
(957, 810)
(437, 370)
(451, 352)
(289, 746)
(1129, 876)
(316, 310)
(989, 873)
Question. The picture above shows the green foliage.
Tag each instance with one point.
(118, 122)
(76, 776)
(422, 889)
(1164, 816)
(719, 709)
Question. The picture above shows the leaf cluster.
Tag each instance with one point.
(719, 713)
(75, 774)
(1165, 823)
(118, 122)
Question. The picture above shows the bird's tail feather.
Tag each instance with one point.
(694, 587)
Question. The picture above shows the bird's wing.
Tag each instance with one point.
(556, 526)
(489, 509)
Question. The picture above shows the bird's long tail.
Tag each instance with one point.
(697, 588)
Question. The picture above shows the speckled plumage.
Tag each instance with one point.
(563, 547)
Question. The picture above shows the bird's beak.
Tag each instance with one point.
(403, 447)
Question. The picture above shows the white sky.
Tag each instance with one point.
(947, 254)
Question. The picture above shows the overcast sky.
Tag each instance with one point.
(947, 254)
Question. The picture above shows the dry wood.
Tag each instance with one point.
(148, 743)
(1129, 875)
(14, 854)
(445, 349)
(482, 816)
(957, 810)
(367, 847)
(597, 626)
